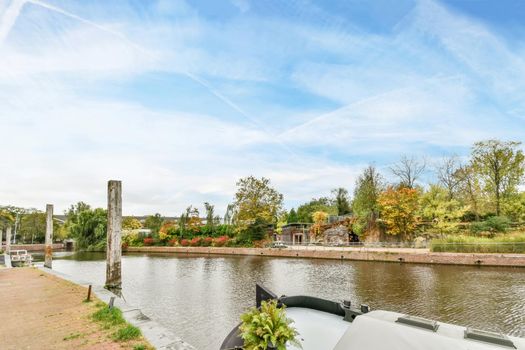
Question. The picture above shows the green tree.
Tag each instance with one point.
(501, 166)
(368, 186)
(444, 212)
(342, 201)
(256, 230)
(88, 226)
(256, 199)
(469, 190)
(6, 218)
(154, 223)
(399, 207)
(16, 214)
(513, 207)
(305, 211)
(33, 227)
(283, 220)
(292, 216)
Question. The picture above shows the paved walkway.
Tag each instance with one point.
(41, 311)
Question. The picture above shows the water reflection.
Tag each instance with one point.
(201, 297)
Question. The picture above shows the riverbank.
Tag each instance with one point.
(42, 311)
(36, 247)
(405, 255)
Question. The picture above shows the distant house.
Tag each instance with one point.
(295, 233)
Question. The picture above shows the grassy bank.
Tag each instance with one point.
(509, 243)
(119, 330)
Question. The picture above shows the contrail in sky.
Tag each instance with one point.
(13, 11)
(9, 18)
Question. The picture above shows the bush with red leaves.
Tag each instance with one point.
(220, 241)
(207, 241)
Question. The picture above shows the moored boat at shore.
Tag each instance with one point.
(329, 325)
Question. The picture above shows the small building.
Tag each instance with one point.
(295, 233)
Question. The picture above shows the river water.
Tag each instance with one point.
(200, 298)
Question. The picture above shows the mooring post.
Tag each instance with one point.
(114, 247)
(88, 299)
(8, 240)
(49, 236)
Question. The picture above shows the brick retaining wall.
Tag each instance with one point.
(391, 255)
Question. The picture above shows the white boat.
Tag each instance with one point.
(328, 325)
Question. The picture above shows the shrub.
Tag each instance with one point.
(223, 230)
(172, 242)
(195, 242)
(148, 241)
(220, 241)
(492, 224)
(125, 246)
(266, 327)
(469, 244)
(168, 230)
(184, 242)
(127, 333)
(478, 227)
(498, 223)
(205, 230)
(261, 243)
(108, 317)
(131, 238)
(207, 241)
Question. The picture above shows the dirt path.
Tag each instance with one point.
(41, 311)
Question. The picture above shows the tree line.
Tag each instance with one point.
(483, 189)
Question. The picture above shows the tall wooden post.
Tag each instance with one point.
(49, 236)
(114, 247)
(8, 239)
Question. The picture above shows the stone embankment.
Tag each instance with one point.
(35, 247)
(403, 255)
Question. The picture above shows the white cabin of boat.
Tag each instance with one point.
(385, 330)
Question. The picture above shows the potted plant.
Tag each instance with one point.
(267, 328)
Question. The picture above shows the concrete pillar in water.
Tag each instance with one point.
(49, 236)
(114, 247)
(8, 239)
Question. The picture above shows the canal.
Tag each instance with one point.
(200, 298)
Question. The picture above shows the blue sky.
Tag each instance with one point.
(179, 99)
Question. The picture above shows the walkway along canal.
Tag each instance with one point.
(200, 297)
